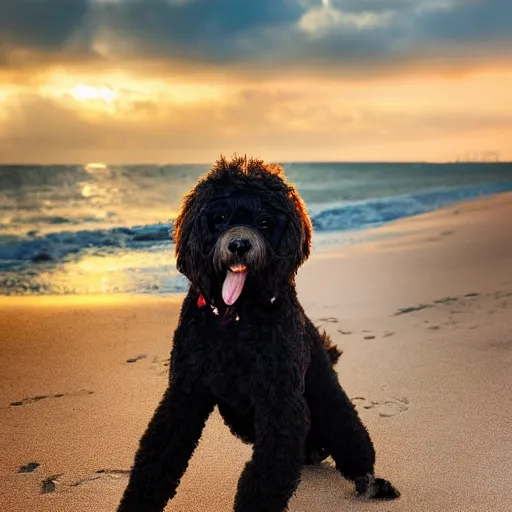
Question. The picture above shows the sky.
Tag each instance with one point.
(174, 81)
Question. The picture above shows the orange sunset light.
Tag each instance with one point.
(292, 80)
(84, 92)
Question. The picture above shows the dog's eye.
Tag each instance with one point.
(218, 219)
(265, 223)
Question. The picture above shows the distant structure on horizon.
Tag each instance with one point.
(478, 156)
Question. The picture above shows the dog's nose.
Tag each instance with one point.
(239, 246)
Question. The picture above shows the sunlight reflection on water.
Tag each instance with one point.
(146, 271)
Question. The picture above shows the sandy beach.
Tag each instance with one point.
(423, 314)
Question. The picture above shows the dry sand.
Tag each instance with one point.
(423, 315)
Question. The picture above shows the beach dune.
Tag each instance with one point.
(423, 314)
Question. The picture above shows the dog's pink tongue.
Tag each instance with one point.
(233, 286)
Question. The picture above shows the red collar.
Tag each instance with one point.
(201, 303)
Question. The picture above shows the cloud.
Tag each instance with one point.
(338, 36)
(468, 21)
(215, 32)
(294, 32)
(292, 122)
(30, 124)
(319, 21)
(42, 24)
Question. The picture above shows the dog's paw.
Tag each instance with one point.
(384, 490)
(370, 488)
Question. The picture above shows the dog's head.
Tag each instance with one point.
(242, 232)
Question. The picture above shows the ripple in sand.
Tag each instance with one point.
(38, 398)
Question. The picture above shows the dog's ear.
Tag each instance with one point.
(182, 232)
(307, 228)
(296, 242)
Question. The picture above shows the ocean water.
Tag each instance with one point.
(105, 229)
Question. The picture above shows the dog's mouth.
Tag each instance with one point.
(233, 283)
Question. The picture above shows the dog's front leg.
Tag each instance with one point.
(272, 475)
(165, 449)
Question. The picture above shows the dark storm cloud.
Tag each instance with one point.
(234, 31)
(277, 33)
(477, 20)
(196, 21)
(206, 30)
(42, 24)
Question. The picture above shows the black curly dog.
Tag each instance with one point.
(244, 343)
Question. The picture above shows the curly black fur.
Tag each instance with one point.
(260, 359)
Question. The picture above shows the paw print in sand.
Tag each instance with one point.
(385, 408)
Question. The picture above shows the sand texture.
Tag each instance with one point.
(423, 315)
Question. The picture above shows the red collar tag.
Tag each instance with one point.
(200, 301)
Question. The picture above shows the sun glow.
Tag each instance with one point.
(84, 92)
(3, 97)
(123, 96)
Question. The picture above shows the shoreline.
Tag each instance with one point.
(407, 226)
(399, 232)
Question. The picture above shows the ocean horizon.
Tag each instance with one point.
(96, 228)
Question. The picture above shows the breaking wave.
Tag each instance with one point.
(57, 246)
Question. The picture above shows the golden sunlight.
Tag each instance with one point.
(83, 92)
(96, 167)
(95, 274)
(124, 96)
(3, 97)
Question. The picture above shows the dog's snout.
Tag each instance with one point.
(239, 246)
